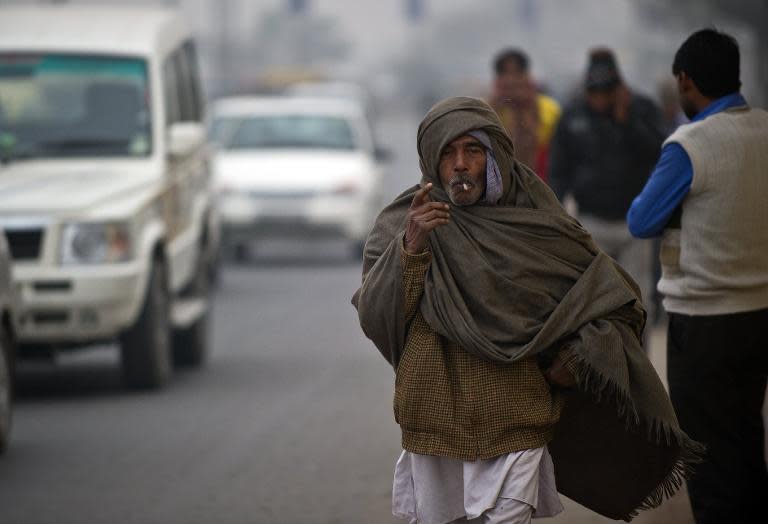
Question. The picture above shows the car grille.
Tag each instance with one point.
(25, 243)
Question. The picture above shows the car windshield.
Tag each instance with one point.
(283, 131)
(55, 105)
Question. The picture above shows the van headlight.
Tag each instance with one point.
(91, 243)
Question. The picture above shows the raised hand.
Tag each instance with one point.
(423, 216)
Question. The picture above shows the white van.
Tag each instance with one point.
(104, 183)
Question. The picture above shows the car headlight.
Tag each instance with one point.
(95, 243)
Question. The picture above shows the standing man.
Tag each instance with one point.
(708, 197)
(603, 151)
(528, 116)
(512, 337)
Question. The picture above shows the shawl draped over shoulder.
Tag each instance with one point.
(522, 278)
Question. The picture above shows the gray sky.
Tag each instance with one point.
(458, 37)
(556, 33)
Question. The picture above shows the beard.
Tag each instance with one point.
(461, 197)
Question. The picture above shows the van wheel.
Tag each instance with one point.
(145, 347)
(190, 345)
(6, 388)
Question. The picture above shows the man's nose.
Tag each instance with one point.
(460, 162)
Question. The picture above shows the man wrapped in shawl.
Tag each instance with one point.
(515, 341)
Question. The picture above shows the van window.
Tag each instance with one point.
(193, 77)
(63, 105)
(171, 91)
(183, 95)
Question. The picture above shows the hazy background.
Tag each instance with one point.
(411, 52)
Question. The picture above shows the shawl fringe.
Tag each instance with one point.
(691, 453)
(603, 389)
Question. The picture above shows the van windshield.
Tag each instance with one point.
(283, 132)
(56, 105)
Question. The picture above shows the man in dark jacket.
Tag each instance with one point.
(601, 155)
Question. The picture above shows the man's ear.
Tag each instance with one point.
(684, 83)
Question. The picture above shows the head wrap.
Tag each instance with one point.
(493, 182)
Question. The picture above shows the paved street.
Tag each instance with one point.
(289, 423)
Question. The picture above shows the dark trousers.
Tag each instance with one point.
(717, 369)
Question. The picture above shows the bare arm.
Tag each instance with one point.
(423, 216)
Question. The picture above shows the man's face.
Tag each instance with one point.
(601, 101)
(462, 170)
(513, 85)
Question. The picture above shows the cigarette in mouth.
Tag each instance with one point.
(465, 186)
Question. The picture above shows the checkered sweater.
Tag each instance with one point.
(451, 403)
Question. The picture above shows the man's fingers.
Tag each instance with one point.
(429, 225)
(435, 213)
(430, 206)
(423, 217)
(421, 196)
(436, 205)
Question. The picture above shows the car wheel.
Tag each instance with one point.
(145, 347)
(190, 345)
(6, 388)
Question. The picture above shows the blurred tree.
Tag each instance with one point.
(750, 13)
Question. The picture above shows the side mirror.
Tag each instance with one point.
(184, 138)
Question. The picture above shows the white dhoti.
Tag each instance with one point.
(509, 489)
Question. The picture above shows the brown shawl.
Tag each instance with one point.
(523, 278)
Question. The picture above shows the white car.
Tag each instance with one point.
(105, 191)
(294, 167)
(8, 305)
